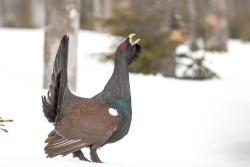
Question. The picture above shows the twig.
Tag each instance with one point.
(3, 121)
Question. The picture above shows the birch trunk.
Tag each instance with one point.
(62, 17)
(217, 29)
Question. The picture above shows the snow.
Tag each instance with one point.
(175, 122)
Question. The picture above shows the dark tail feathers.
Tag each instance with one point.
(54, 99)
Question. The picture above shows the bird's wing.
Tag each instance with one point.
(88, 123)
(53, 101)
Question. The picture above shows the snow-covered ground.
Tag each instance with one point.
(175, 122)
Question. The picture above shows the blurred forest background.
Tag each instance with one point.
(162, 24)
(31, 14)
(196, 123)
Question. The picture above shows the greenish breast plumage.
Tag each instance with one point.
(124, 110)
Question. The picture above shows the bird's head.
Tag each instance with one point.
(129, 50)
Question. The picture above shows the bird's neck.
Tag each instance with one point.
(118, 86)
(117, 94)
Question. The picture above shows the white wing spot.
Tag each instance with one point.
(113, 112)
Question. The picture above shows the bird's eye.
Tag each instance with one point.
(124, 46)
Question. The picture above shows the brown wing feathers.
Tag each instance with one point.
(58, 145)
(52, 102)
(88, 123)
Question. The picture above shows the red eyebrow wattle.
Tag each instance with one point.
(124, 45)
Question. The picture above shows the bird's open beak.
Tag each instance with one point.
(133, 42)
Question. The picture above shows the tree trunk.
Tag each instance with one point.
(217, 29)
(37, 13)
(62, 17)
(10, 13)
(1, 12)
(102, 10)
(192, 31)
(168, 66)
